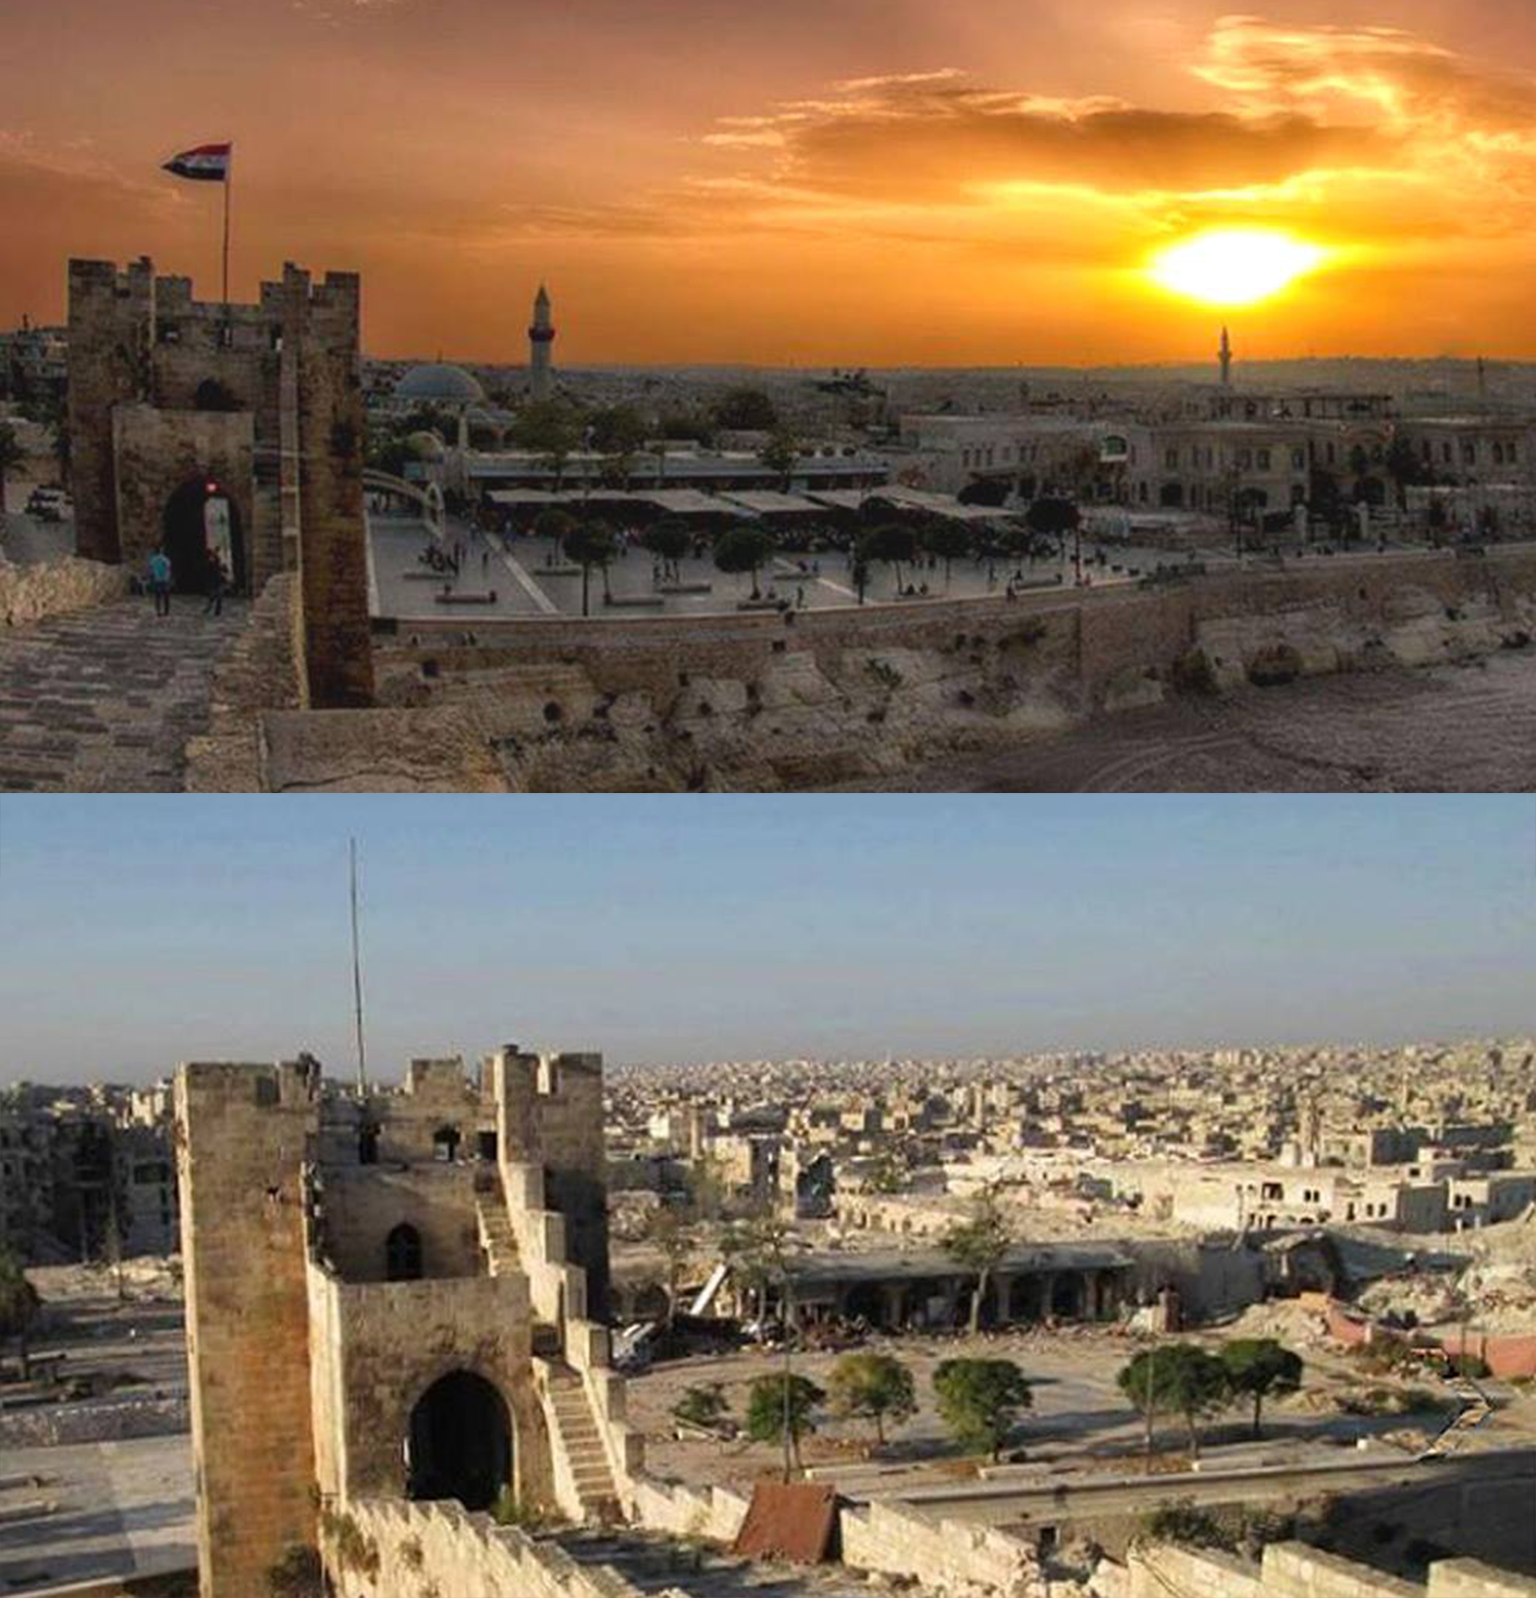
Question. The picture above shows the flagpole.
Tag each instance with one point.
(229, 178)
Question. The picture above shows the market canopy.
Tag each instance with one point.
(768, 502)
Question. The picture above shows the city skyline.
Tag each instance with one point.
(854, 182)
(743, 928)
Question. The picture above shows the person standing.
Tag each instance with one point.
(218, 580)
(160, 581)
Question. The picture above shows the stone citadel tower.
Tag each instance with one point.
(393, 1296)
(174, 402)
(541, 335)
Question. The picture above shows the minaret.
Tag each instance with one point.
(540, 336)
(1225, 354)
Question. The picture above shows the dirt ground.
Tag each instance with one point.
(1079, 1414)
(1442, 729)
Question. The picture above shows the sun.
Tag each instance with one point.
(1234, 266)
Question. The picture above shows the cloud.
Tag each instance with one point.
(1394, 149)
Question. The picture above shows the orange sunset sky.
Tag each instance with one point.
(808, 181)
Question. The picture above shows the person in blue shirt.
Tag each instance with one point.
(160, 581)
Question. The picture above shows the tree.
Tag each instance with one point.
(876, 1387)
(1178, 1378)
(745, 410)
(12, 455)
(781, 1408)
(19, 1306)
(1257, 1367)
(948, 541)
(554, 524)
(892, 542)
(743, 549)
(619, 431)
(1052, 517)
(670, 1235)
(553, 429)
(589, 544)
(669, 540)
(1145, 1381)
(760, 1249)
(980, 1400)
(779, 455)
(978, 1244)
(704, 1406)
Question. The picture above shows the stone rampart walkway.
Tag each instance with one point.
(104, 700)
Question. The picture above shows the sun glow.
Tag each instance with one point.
(1234, 266)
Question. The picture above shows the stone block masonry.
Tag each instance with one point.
(263, 402)
(244, 1132)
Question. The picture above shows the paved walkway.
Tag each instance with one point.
(104, 700)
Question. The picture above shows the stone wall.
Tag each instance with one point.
(364, 1205)
(242, 1134)
(398, 1550)
(320, 336)
(159, 451)
(763, 702)
(377, 1348)
(56, 587)
(1293, 1570)
(946, 1556)
(715, 1513)
(50, 1425)
(258, 673)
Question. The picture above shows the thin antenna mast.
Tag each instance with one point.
(357, 980)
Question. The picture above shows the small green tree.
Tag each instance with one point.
(979, 1244)
(19, 1307)
(981, 1400)
(779, 455)
(12, 455)
(554, 524)
(1052, 517)
(743, 549)
(589, 544)
(1145, 1381)
(1258, 1367)
(669, 540)
(1178, 1379)
(551, 428)
(876, 1387)
(892, 542)
(947, 541)
(782, 1408)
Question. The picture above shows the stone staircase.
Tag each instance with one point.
(497, 1240)
(579, 1439)
(1475, 1409)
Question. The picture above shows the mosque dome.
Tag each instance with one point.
(435, 381)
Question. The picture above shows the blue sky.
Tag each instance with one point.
(138, 932)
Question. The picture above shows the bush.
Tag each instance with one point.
(509, 1511)
(702, 1406)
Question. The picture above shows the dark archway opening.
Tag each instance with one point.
(402, 1254)
(1025, 1299)
(445, 1144)
(1067, 1297)
(460, 1442)
(1171, 496)
(189, 535)
(866, 1302)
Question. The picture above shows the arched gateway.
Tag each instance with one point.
(460, 1442)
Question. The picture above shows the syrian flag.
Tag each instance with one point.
(207, 163)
